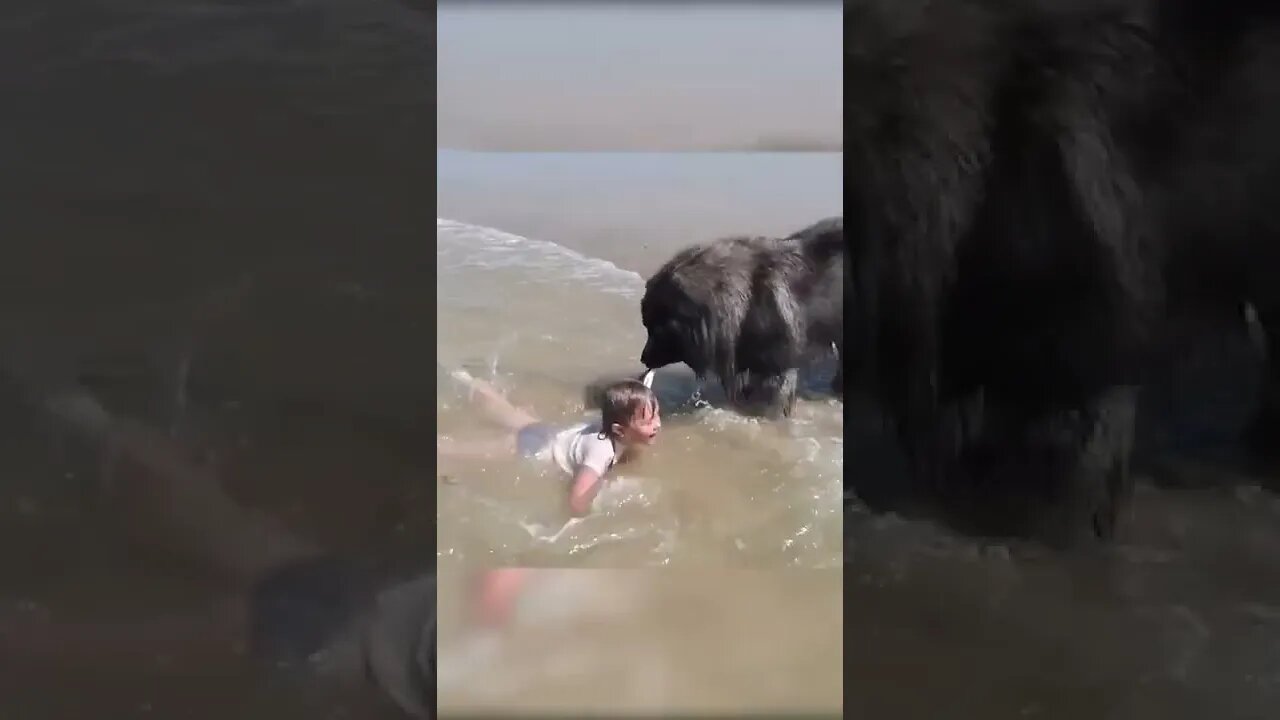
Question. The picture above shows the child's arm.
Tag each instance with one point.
(586, 483)
(596, 462)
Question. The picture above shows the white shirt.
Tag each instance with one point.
(583, 445)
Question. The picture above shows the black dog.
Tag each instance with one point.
(749, 309)
(1033, 187)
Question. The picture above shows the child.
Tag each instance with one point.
(629, 420)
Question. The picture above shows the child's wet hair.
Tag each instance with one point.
(619, 402)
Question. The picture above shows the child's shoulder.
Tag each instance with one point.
(596, 444)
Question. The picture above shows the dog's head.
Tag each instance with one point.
(675, 321)
(671, 319)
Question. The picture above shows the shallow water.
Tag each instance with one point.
(541, 321)
(549, 303)
(635, 209)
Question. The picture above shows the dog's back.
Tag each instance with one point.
(730, 263)
(808, 263)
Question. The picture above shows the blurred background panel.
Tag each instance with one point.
(572, 642)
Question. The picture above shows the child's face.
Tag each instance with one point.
(644, 426)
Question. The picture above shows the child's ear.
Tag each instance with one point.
(616, 429)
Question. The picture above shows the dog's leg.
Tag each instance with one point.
(1101, 481)
(738, 390)
(837, 382)
(1062, 478)
(1264, 432)
(771, 396)
(789, 384)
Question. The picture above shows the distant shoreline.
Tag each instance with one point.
(525, 142)
(815, 148)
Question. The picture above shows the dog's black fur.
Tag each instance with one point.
(750, 309)
(1033, 187)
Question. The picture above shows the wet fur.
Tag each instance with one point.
(1033, 189)
(749, 310)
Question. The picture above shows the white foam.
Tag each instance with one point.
(460, 244)
(541, 533)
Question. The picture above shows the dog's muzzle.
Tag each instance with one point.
(646, 357)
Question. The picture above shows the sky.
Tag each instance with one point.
(580, 76)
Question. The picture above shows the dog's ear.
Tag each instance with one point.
(698, 343)
(680, 329)
(769, 339)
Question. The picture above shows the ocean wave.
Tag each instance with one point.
(461, 245)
